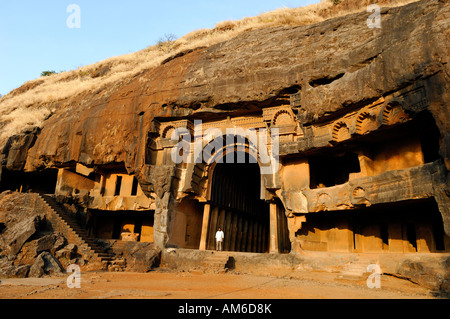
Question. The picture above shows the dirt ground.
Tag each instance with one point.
(165, 284)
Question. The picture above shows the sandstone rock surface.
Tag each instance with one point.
(427, 274)
(29, 246)
(322, 71)
(21, 222)
(333, 66)
(46, 264)
(137, 256)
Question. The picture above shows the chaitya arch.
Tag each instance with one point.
(237, 201)
(237, 208)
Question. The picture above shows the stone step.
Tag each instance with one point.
(357, 269)
(78, 234)
(218, 258)
(106, 259)
(217, 261)
(352, 277)
(118, 244)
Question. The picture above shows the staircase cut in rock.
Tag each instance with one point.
(358, 269)
(78, 235)
(218, 262)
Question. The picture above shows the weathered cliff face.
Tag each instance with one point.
(335, 65)
(321, 72)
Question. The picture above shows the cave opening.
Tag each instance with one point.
(118, 185)
(404, 227)
(331, 170)
(134, 187)
(42, 182)
(237, 207)
(115, 225)
(430, 137)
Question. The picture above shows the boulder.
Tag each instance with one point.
(432, 274)
(60, 242)
(30, 250)
(79, 261)
(20, 271)
(5, 266)
(44, 265)
(69, 252)
(27, 254)
(51, 243)
(18, 233)
(141, 257)
(8, 269)
(21, 221)
(72, 247)
(45, 243)
(129, 237)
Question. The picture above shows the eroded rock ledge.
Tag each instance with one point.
(333, 66)
(364, 146)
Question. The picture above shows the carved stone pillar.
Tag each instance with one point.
(234, 231)
(211, 241)
(273, 229)
(295, 224)
(160, 231)
(205, 226)
(158, 180)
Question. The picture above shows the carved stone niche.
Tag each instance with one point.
(393, 113)
(166, 131)
(366, 122)
(359, 196)
(283, 119)
(341, 131)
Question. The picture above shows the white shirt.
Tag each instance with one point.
(220, 235)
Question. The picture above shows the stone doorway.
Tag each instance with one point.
(121, 225)
(403, 227)
(236, 207)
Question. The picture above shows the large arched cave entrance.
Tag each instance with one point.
(235, 199)
(237, 208)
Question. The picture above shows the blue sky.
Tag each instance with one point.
(34, 35)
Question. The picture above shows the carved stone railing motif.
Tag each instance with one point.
(393, 186)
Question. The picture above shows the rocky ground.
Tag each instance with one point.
(29, 247)
(34, 259)
(168, 284)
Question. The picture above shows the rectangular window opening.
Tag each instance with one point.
(384, 233)
(138, 227)
(438, 233)
(328, 171)
(118, 186)
(134, 189)
(411, 235)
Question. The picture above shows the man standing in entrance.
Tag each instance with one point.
(219, 240)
